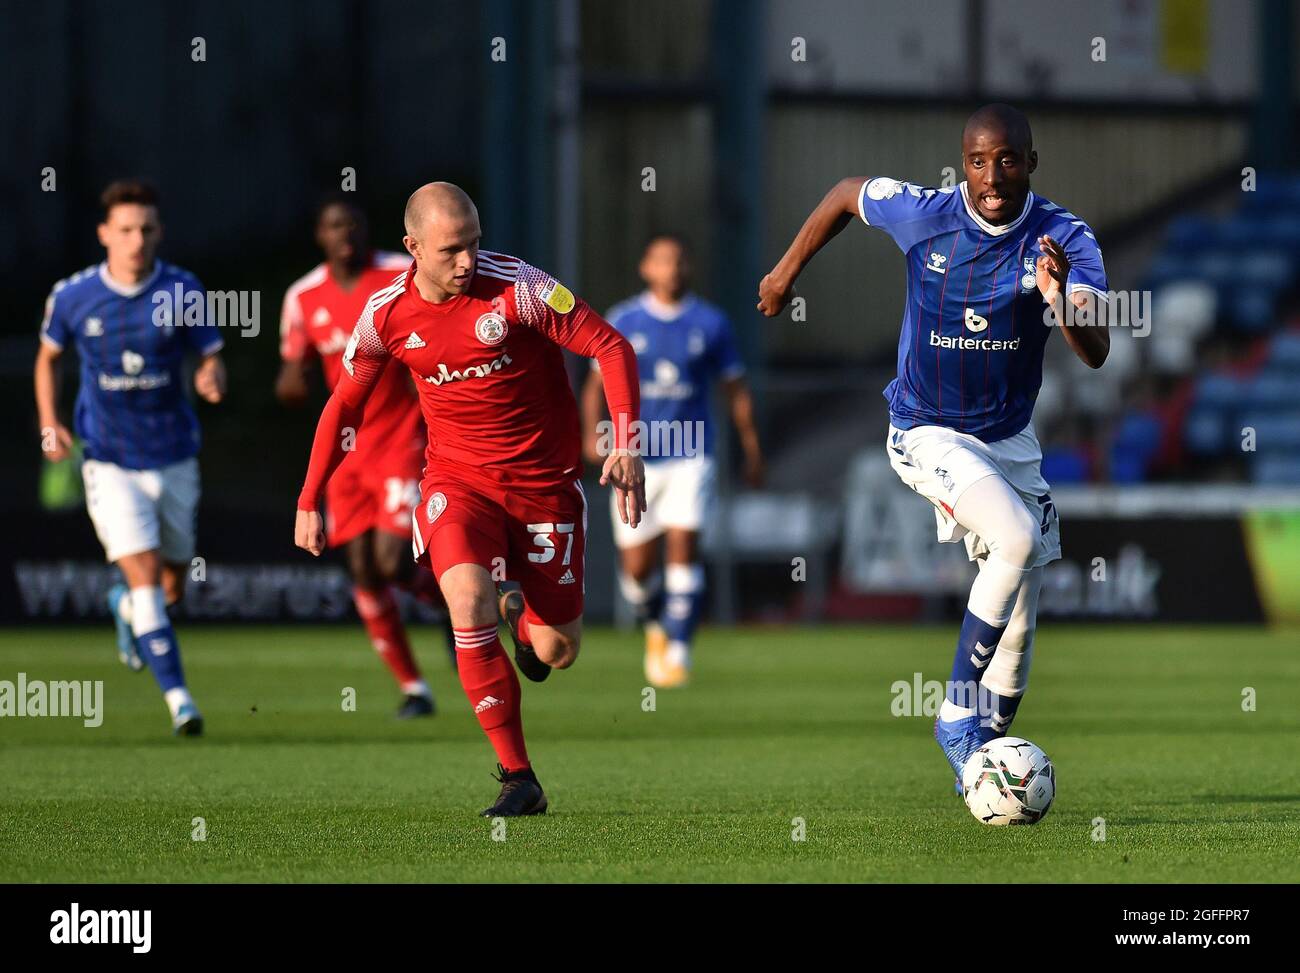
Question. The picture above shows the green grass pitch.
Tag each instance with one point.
(1145, 724)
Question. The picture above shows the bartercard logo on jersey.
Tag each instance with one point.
(473, 371)
(962, 343)
(136, 378)
(434, 508)
(975, 322)
(491, 328)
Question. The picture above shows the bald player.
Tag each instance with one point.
(501, 500)
(992, 271)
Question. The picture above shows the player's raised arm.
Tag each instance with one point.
(832, 215)
(210, 378)
(1083, 332)
(336, 432)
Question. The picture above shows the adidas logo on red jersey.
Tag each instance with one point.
(413, 340)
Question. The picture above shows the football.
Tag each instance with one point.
(1009, 781)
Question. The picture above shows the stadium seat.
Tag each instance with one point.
(1276, 471)
(1206, 432)
(1065, 465)
(1191, 233)
(1221, 391)
(1274, 432)
(1271, 390)
(1284, 351)
(1136, 443)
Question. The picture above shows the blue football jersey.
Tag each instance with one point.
(678, 358)
(132, 409)
(970, 354)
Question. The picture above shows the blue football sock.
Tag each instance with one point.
(684, 587)
(155, 640)
(975, 646)
(997, 711)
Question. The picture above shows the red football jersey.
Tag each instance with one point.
(490, 374)
(316, 319)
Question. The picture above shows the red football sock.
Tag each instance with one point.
(383, 621)
(490, 682)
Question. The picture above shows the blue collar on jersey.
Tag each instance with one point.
(988, 227)
(117, 287)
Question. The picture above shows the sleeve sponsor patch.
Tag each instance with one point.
(556, 296)
(882, 188)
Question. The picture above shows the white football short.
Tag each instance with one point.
(143, 510)
(940, 463)
(678, 494)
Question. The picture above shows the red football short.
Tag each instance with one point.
(536, 539)
(373, 491)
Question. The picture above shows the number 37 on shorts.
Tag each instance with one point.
(537, 539)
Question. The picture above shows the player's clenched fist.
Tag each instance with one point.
(627, 474)
(773, 295)
(56, 442)
(309, 532)
(210, 379)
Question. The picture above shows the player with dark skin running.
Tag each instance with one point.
(998, 160)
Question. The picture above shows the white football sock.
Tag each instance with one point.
(148, 610)
(176, 698)
(1008, 673)
(678, 654)
(636, 593)
(124, 606)
(994, 511)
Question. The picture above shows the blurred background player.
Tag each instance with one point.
(984, 261)
(370, 498)
(501, 497)
(683, 345)
(140, 435)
